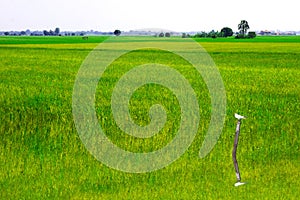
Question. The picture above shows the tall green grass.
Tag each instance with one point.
(42, 157)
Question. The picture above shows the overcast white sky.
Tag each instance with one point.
(180, 15)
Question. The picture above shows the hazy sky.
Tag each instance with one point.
(180, 15)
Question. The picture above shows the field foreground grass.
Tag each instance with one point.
(42, 156)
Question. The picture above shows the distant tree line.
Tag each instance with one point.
(55, 32)
(225, 32)
(243, 27)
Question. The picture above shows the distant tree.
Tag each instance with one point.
(167, 34)
(6, 33)
(51, 33)
(226, 32)
(28, 32)
(212, 34)
(117, 32)
(243, 26)
(23, 33)
(201, 34)
(57, 31)
(251, 35)
(46, 33)
(161, 34)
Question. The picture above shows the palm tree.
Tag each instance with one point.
(243, 27)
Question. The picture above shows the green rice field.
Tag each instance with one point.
(42, 156)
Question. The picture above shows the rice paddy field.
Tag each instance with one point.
(43, 157)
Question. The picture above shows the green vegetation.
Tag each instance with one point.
(42, 156)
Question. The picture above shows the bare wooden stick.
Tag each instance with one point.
(235, 145)
(236, 140)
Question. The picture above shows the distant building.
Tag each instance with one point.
(268, 33)
(37, 33)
